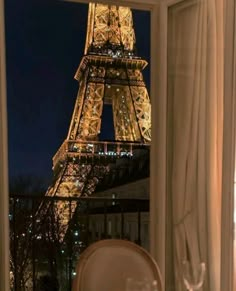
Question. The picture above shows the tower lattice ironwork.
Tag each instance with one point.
(110, 72)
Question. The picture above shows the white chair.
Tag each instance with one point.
(107, 264)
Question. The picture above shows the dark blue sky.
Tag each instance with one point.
(44, 44)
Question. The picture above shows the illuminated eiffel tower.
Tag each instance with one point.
(110, 72)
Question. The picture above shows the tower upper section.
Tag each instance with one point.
(111, 73)
(110, 30)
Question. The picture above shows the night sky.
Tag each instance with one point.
(44, 44)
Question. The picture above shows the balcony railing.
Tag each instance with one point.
(38, 255)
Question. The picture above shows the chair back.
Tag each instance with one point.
(107, 264)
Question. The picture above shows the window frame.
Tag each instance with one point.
(4, 229)
(229, 147)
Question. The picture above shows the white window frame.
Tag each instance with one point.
(159, 12)
(229, 146)
(4, 228)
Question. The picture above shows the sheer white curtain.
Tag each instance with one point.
(195, 112)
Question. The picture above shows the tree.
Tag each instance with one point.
(36, 245)
(23, 190)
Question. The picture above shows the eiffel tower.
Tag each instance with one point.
(110, 73)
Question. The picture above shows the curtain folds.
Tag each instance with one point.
(195, 111)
